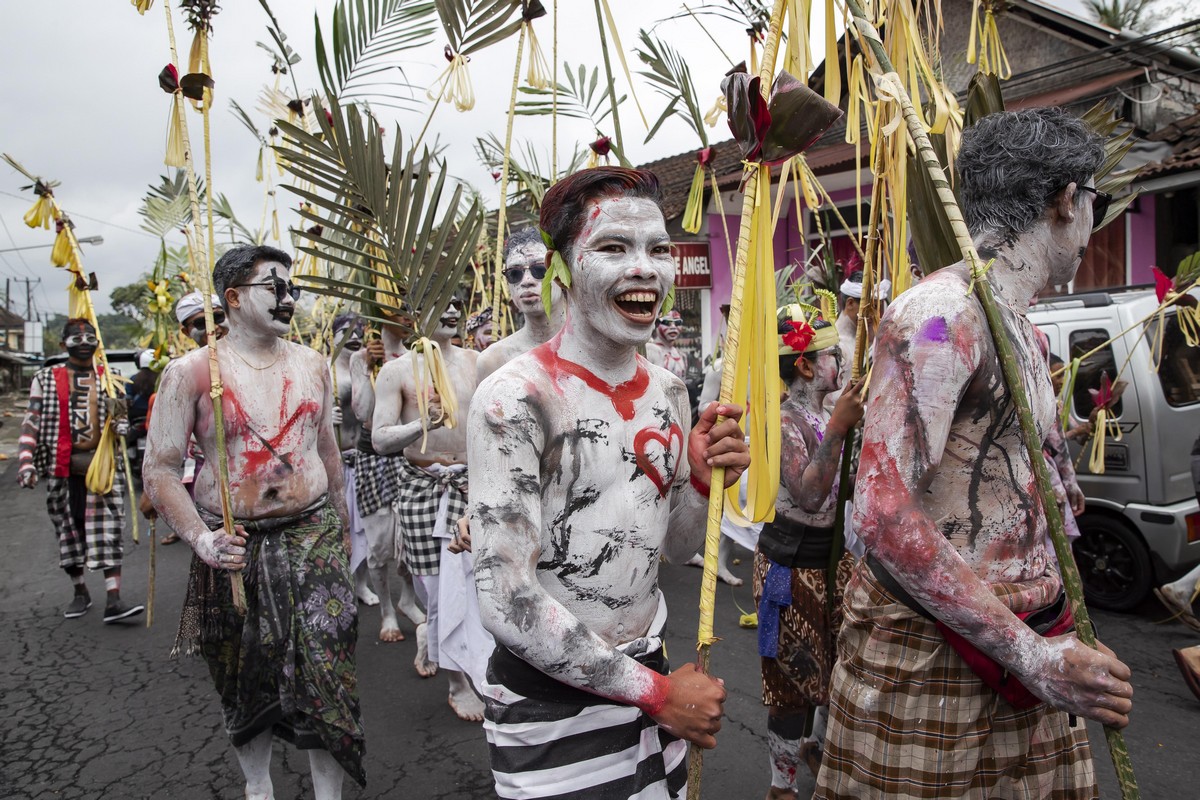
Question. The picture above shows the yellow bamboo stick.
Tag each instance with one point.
(204, 284)
(498, 282)
(716, 494)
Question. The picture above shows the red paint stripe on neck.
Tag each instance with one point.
(622, 396)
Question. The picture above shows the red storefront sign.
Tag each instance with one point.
(693, 268)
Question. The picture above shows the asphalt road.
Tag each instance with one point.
(95, 711)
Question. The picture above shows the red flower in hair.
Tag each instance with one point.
(799, 336)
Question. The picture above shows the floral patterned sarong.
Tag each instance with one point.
(288, 666)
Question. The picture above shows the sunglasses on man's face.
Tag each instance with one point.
(514, 274)
(671, 323)
(282, 288)
(1099, 205)
(198, 322)
(76, 339)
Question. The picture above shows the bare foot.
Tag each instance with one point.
(1179, 603)
(425, 668)
(695, 561)
(725, 576)
(467, 705)
(366, 596)
(390, 633)
(775, 793)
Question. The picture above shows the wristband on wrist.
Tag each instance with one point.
(699, 485)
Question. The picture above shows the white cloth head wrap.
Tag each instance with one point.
(881, 290)
(189, 304)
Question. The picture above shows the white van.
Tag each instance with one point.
(1142, 524)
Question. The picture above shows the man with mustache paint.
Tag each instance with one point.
(432, 458)
(60, 433)
(524, 268)
(287, 666)
(377, 478)
(585, 473)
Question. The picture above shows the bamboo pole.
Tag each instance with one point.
(1008, 363)
(733, 331)
(554, 103)
(204, 284)
(619, 148)
(150, 580)
(498, 282)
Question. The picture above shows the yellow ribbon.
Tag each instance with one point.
(429, 373)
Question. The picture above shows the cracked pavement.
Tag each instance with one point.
(89, 710)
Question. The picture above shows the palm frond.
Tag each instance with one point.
(531, 175)
(365, 39)
(235, 229)
(471, 25)
(581, 97)
(166, 207)
(244, 118)
(283, 54)
(670, 77)
(387, 218)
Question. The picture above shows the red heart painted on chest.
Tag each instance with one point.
(647, 435)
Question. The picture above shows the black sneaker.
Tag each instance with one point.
(78, 606)
(115, 612)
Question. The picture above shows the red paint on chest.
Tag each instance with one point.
(268, 449)
(622, 396)
(648, 435)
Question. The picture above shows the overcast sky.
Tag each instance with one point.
(81, 105)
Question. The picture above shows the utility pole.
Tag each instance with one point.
(29, 284)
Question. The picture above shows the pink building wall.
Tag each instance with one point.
(1142, 250)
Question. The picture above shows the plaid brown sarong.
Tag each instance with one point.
(798, 677)
(909, 720)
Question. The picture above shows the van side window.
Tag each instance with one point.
(1091, 368)
(1179, 369)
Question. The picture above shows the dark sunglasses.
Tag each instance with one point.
(199, 325)
(282, 288)
(671, 323)
(1099, 206)
(515, 274)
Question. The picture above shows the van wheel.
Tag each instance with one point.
(1113, 564)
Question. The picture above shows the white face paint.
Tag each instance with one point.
(621, 268)
(527, 292)
(670, 326)
(448, 322)
(257, 307)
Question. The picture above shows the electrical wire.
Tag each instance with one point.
(76, 214)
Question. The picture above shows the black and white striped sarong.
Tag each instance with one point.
(549, 740)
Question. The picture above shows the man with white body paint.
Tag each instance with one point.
(661, 351)
(377, 480)
(584, 474)
(348, 339)
(287, 666)
(957, 663)
(432, 458)
(524, 268)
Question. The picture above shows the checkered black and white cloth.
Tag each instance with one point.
(418, 504)
(97, 545)
(376, 481)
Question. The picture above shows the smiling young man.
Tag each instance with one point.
(59, 437)
(957, 672)
(524, 268)
(432, 458)
(287, 667)
(585, 474)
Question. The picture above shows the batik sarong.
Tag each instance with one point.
(88, 526)
(428, 505)
(909, 720)
(550, 740)
(797, 676)
(288, 665)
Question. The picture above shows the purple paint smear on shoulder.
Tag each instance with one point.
(935, 330)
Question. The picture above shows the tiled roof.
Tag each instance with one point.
(10, 320)
(1184, 137)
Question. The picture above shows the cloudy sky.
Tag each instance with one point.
(81, 105)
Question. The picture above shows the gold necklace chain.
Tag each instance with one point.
(252, 366)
